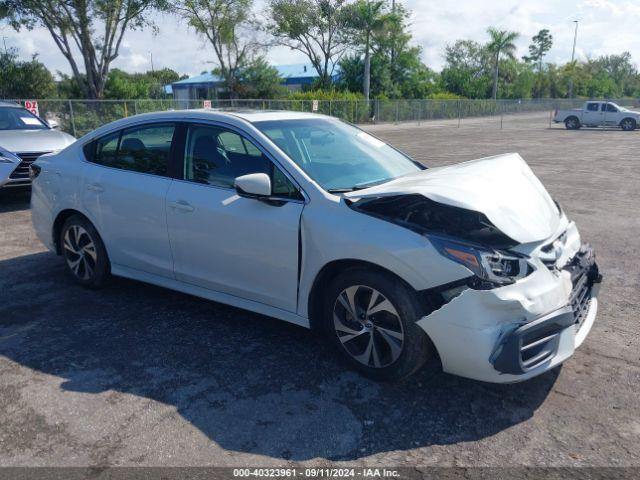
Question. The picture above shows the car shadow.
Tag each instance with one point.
(250, 383)
(14, 199)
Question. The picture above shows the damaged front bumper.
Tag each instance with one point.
(516, 332)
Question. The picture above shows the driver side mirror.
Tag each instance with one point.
(253, 185)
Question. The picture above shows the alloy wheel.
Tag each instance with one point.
(80, 252)
(368, 326)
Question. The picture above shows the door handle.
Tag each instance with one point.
(182, 206)
(95, 187)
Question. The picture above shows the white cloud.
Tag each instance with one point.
(606, 26)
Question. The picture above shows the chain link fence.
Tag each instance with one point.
(79, 117)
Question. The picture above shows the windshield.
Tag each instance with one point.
(12, 118)
(336, 155)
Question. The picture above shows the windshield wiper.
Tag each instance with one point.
(372, 183)
(360, 186)
(340, 190)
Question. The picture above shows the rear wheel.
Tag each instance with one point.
(84, 252)
(371, 317)
(628, 124)
(572, 123)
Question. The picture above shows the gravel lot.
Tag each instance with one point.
(139, 375)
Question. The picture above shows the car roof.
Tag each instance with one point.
(246, 114)
(232, 116)
(252, 115)
(267, 115)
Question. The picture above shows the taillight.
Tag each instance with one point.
(34, 171)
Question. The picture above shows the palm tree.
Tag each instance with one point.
(501, 43)
(365, 18)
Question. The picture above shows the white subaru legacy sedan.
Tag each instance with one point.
(308, 219)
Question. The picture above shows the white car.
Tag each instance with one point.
(598, 114)
(23, 138)
(310, 220)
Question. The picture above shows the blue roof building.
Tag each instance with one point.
(209, 86)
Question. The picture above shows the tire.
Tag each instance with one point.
(572, 123)
(84, 253)
(381, 345)
(628, 124)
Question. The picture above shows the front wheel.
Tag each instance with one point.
(628, 124)
(84, 252)
(371, 317)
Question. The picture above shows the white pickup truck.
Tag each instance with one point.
(598, 114)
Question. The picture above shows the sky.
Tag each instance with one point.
(606, 27)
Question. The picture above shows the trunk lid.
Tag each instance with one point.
(503, 187)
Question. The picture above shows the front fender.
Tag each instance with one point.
(333, 231)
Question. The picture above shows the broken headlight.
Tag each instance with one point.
(491, 267)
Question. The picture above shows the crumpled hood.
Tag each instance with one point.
(32, 141)
(502, 187)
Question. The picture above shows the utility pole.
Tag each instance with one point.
(573, 56)
(151, 54)
(393, 40)
(4, 41)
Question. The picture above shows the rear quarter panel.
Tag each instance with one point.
(57, 188)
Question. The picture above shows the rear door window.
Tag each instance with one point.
(593, 107)
(143, 149)
(107, 149)
(146, 149)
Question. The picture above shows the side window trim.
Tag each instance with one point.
(244, 136)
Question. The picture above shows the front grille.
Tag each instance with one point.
(584, 272)
(581, 297)
(21, 174)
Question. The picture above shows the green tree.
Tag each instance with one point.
(317, 28)
(500, 43)
(467, 69)
(517, 79)
(229, 27)
(258, 79)
(540, 46)
(366, 18)
(23, 80)
(68, 87)
(621, 69)
(123, 85)
(94, 28)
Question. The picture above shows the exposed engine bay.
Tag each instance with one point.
(423, 215)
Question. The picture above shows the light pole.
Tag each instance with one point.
(573, 55)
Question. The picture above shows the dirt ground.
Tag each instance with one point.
(138, 375)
